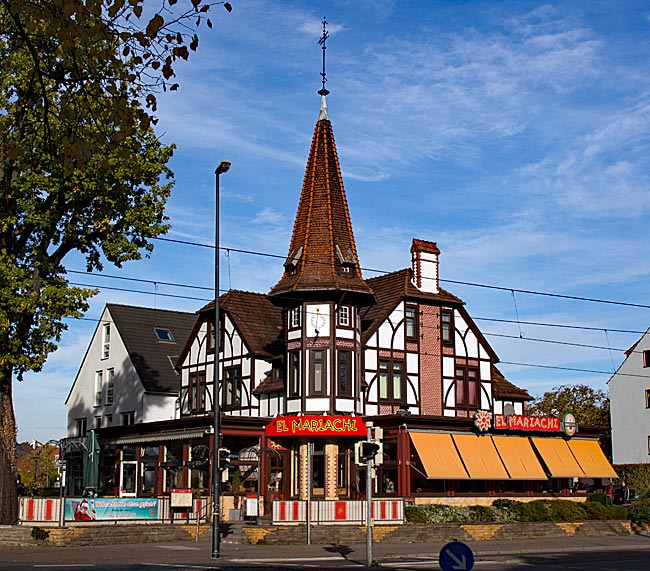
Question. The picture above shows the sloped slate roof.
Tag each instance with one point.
(389, 290)
(154, 360)
(504, 389)
(258, 321)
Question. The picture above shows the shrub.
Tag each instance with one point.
(481, 514)
(595, 510)
(639, 513)
(415, 514)
(40, 534)
(598, 498)
(505, 510)
(538, 510)
(618, 512)
(566, 510)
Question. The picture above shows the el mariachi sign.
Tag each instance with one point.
(484, 420)
(316, 426)
(518, 422)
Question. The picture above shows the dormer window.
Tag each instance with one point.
(164, 334)
(347, 260)
(291, 263)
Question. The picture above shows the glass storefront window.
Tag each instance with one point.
(173, 465)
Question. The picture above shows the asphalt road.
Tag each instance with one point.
(630, 553)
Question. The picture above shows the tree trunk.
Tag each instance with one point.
(8, 474)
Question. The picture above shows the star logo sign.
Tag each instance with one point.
(483, 420)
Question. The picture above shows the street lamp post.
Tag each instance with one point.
(223, 167)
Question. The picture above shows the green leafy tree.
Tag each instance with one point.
(588, 405)
(81, 168)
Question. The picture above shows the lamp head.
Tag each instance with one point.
(223, 167)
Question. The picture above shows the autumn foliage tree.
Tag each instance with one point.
(81, 168)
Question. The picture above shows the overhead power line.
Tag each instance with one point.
(457, 282)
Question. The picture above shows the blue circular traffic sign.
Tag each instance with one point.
(456, 556)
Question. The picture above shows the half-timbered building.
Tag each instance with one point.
(306, 368)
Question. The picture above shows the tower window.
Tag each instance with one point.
(294, 374)
(317, 369)
(345, 377)
(344, 317)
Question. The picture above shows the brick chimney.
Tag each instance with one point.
(424, 262)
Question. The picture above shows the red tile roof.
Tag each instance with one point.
(322, 255)
(258, 321)
(390, 289)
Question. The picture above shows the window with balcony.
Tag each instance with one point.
(80, 426)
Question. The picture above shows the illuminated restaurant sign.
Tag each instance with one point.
(316, 426)
(484, 420)
(519, 422)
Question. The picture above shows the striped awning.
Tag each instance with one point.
(161, 436)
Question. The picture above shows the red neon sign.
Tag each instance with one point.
(316, 426)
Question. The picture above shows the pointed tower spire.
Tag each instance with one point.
(322, 261)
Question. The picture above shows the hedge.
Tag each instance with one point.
(504, 511)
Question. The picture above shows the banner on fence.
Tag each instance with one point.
(102, 509)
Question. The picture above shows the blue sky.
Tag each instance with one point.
(512, 133)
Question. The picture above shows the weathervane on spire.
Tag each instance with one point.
(321, 42)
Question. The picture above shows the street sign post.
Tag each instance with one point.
(456, 556)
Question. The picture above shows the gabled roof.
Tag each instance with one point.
(390, 289)
(322, 257)
(504, 389)
(153, 359)
(258, 321)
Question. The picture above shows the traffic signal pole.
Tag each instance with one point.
(369, 466)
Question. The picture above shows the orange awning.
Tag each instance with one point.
(480, 457)
(519, 458)
(590, 456)
(558, 458)
(439, 456)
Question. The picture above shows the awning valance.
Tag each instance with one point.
(439, 456)
(519, 458)
(161, 436)
(558, 458)
(480, 457)
(590, 456)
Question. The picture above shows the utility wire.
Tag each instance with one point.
(458, 282)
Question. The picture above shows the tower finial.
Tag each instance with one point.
(321, 42)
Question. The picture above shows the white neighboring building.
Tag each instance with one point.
(629, 394)
(128, 373)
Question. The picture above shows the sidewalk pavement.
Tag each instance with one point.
(188, 553)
